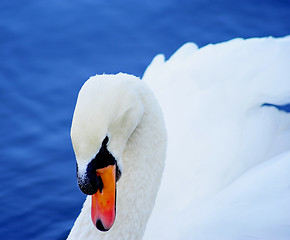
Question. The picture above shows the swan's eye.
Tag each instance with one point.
(118, 173)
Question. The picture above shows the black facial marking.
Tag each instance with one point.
(91, 183)
(103, 159)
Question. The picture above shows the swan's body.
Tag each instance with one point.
(236, 151)
(113, 99)
(227, 155)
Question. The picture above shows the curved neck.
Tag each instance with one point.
(143, 163)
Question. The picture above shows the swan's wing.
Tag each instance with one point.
(157, 75)
(217, 129)
(255, 206)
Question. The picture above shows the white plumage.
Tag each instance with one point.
(233, 180)
(227, 167)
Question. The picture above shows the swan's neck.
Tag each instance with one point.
(143, 162)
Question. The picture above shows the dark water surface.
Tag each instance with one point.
(49, 48)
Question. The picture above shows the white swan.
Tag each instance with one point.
(227, 156)
(124, 109)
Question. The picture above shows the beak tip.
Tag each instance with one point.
(100, 226)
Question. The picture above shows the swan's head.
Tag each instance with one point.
(107, 111)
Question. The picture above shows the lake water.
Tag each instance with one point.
(49, 48)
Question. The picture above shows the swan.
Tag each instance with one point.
(227, 162)
(118, 122)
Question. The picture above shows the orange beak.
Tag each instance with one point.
(104, 200)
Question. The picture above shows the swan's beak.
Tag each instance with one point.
(104, 200)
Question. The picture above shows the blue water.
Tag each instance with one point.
(49, 48)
